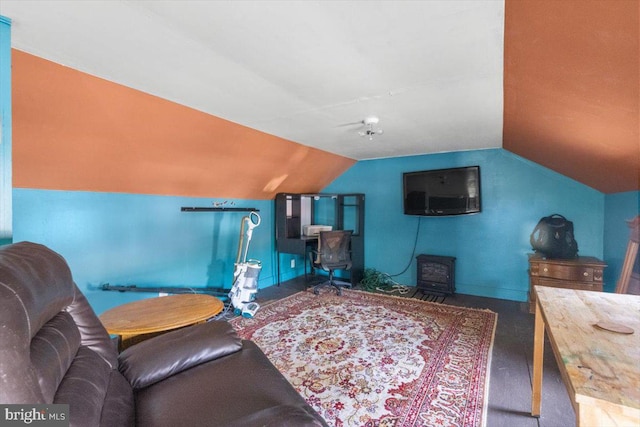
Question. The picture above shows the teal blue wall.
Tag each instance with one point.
(143, 240)
(147, 241)
(491, 247)
(619, 208)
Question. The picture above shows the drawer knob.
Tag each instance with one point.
(545, 269)
(585, 274)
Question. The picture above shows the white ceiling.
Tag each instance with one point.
(301, 70)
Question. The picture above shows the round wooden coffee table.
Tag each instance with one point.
(139, 320)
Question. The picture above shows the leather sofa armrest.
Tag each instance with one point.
(160, 357)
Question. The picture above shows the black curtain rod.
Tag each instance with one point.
(166, 289)
(196, 209)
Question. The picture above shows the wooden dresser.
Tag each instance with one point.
(580, 273)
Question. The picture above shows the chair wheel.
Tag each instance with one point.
(339, 291)
(316, 291)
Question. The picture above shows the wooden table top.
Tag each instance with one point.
(601, 367)
(160, 314)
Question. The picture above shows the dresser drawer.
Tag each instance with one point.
(583, 273)
(566, 272)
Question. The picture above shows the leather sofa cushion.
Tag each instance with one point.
(225, 392)
(92, 332)
(84, 387)
(160, 357)
(41, 284)
(118, 409)
(277, 416)
(52, 351)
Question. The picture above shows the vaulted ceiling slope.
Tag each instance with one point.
(572, 89)
(305, 71)
(432, 71)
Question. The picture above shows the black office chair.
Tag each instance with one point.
(334, 253)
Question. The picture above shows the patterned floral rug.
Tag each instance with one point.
(366, 359)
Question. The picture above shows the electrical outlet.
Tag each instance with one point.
(293, 263)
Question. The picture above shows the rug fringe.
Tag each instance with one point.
(485, 403)
(384, 295)
(419, 300)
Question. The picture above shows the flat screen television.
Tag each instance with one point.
(441, 192)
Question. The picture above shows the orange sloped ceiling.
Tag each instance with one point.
(74, 131)
(572, 88)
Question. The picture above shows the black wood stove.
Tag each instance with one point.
(436, 274)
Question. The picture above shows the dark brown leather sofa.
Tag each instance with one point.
(53, 349)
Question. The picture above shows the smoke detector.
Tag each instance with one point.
(370, 130)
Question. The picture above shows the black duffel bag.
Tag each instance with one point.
(553, 238)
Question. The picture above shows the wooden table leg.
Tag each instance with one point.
(124, 341)
(538, 356)
(622, 287)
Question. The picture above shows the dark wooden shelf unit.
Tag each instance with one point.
(341, 211)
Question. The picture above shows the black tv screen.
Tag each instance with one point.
(440, 192)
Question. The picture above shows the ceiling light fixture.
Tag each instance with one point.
(369, 128)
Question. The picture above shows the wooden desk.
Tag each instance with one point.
(136, 320)
(341, 211)
(601, 369)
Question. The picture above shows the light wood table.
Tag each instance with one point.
(138, 320)
(600, 368)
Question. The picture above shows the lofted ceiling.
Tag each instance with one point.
(306, 71)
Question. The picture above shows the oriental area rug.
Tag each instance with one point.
(364, 359)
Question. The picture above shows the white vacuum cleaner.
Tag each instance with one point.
(245, 276)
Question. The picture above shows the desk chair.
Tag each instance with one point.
(333, 253)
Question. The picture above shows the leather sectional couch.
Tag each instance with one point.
(53, 349)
